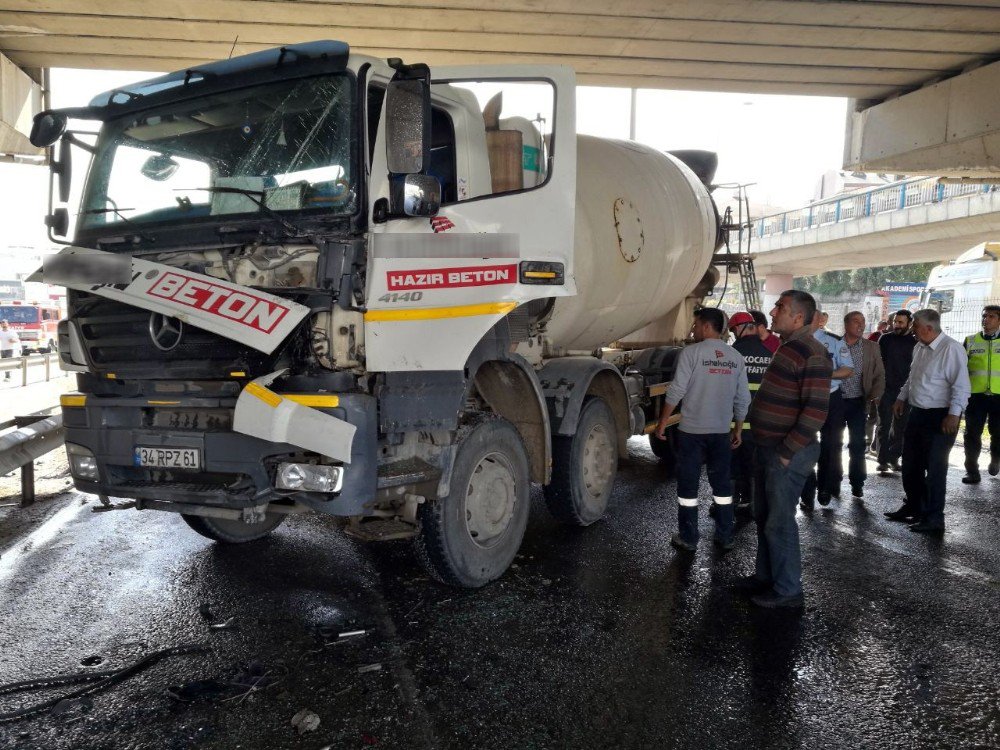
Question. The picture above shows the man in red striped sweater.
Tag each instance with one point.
(787, 412)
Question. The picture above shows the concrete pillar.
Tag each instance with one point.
(774, 285)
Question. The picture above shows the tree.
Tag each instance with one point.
(861, 280)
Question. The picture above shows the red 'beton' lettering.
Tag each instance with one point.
(240, 307)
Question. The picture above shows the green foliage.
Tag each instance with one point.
(862, 280)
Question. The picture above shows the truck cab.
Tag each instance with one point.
(307, 280)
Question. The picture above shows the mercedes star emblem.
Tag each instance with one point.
(165, 331)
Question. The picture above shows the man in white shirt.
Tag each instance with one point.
(10, 344)
(937, 390)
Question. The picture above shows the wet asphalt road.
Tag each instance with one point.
(600, 637)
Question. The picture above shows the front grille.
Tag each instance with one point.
(117, 340)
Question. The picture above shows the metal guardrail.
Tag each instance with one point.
(897, 196)
(23, 363)
(36, 435)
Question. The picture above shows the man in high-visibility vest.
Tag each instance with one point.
(984, 405)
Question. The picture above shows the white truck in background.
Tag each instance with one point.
(959, 290)
(305, 279)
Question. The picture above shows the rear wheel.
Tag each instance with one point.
(229, 531)
(584, 466)
(470, 537)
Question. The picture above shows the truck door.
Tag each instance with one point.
(504, 150)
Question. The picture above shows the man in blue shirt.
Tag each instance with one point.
(829, 470)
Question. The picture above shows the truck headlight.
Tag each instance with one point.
(309, 477)
(82, 463)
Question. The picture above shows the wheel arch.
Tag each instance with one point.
(512, 391)
(566, 383)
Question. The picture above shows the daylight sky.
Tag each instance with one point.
(783, 144)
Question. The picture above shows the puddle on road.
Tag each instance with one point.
(38, 539)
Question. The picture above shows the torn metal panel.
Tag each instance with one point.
(249, 316)
(264, 414)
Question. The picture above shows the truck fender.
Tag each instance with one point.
(567, 381)
(511, 388)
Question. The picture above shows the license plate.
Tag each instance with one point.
(168, 458)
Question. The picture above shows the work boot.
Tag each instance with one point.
(687, 527)
(971, 477)
(724, 522)
(678, 541)
(994, 467)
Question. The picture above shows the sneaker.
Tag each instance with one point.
(994, 468)
(857, 491)
(773, 600)
(682, 545)
(971, 477)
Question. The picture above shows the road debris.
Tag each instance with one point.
(305, 721)
(369, 668)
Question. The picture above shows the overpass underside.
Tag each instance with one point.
(933, 232)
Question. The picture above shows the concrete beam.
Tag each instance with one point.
(949, 128)
(20, 100)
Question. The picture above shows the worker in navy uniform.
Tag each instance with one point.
(824, 482)
(757, 356)
(983, 350)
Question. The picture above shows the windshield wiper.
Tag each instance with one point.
(118, 212)
(256, 196)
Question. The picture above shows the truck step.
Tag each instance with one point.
(381, 529)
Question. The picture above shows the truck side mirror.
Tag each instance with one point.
(64, 169)
(408, 125)
(47, 128)
(421, 195)
(58, 222)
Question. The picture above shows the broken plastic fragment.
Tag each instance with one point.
(305, 721)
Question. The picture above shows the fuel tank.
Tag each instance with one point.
(646, 228)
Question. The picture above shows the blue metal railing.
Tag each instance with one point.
(899, 195)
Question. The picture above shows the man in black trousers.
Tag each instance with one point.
(897, 354)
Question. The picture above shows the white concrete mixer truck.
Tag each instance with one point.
(304, 279)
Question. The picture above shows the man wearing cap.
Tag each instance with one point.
(983, 350)
(757, 356)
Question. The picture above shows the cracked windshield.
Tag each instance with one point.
(281, 147)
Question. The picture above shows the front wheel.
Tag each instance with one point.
(470, 537)
(230, 531)
(584, 466)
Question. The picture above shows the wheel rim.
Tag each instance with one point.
(598, 461)
(490, 498)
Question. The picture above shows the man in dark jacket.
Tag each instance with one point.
(896, 348)
(757, 356)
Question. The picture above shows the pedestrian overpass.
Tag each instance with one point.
(911, 221)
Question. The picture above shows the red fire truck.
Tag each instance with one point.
(35, 325)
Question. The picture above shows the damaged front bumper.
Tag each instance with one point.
(212, 464)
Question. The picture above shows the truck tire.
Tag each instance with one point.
(664, 450)
(470, 537)
(228, 531)
(584, 466)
